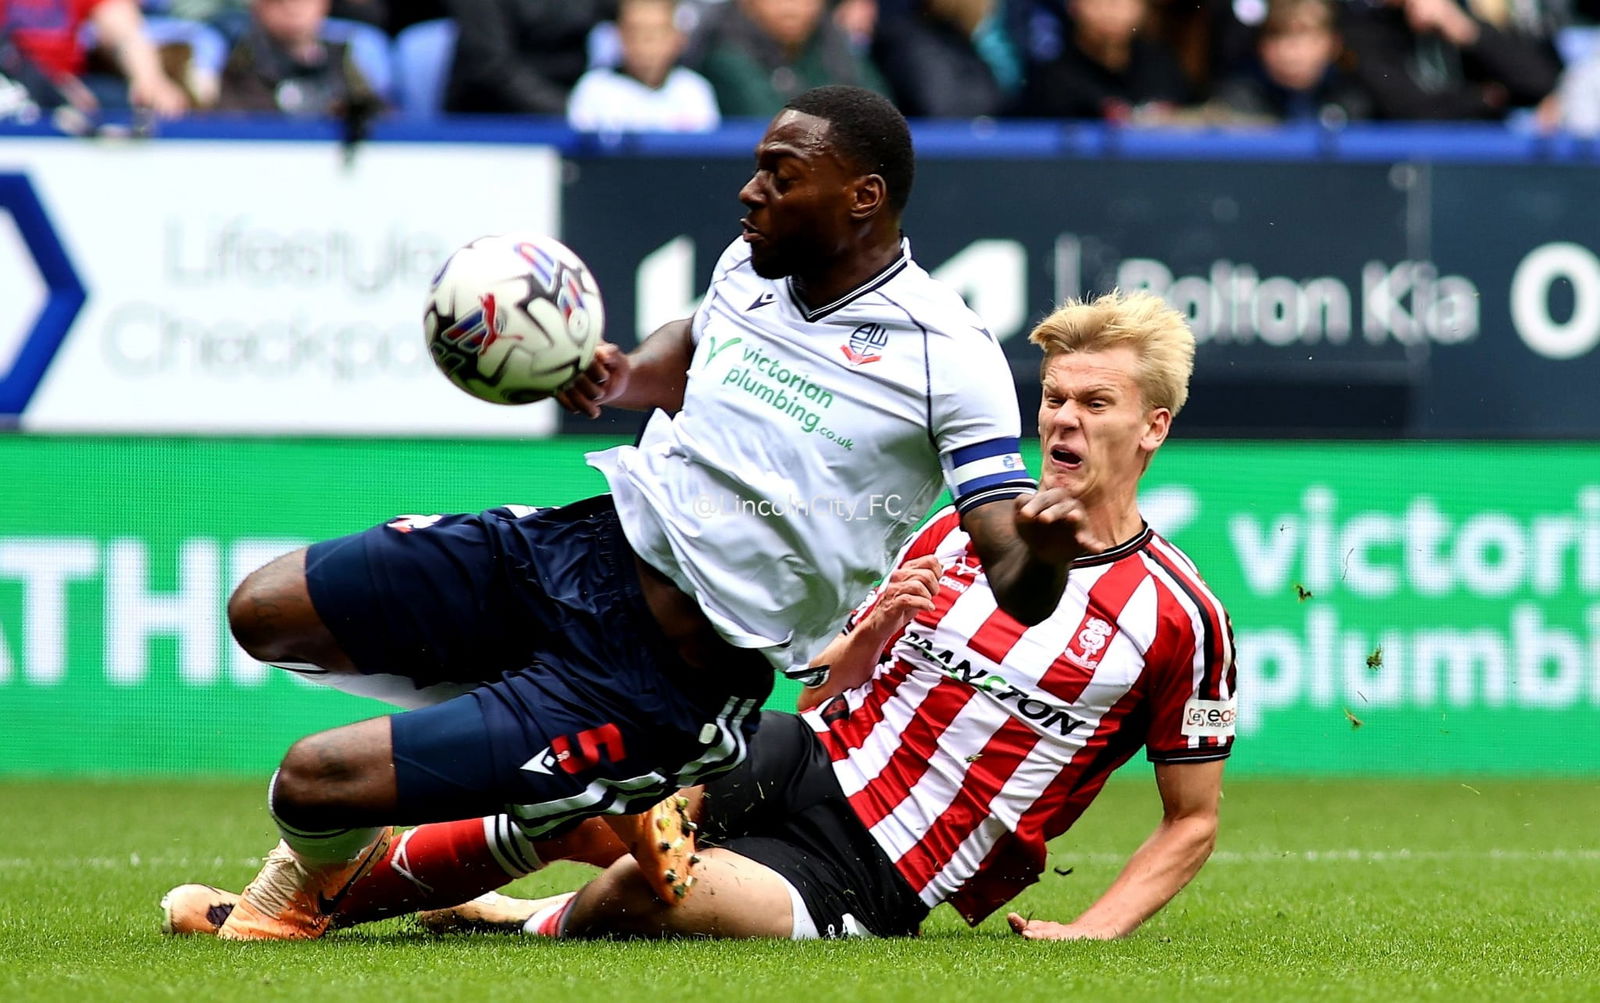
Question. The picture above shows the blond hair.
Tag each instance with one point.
(1157, 333)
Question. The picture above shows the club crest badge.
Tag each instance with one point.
(865, 344)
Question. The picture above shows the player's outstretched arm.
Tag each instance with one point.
(1159, 869)
(850, 657)
(651, 376)
(1026, 545)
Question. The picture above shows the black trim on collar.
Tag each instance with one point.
(888, 272)
(1118, 552)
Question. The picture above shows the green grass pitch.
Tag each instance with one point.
(1323, 890)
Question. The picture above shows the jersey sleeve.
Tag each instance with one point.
(734, 255)
(1194, 706)
(975, 422)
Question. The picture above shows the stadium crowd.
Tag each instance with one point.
(683, 65)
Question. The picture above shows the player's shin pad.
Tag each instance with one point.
(662, 843)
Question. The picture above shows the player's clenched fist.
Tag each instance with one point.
(1054, 525)
(909, 591)
(606, 379)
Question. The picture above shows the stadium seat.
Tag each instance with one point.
(604, 45)
(1578, 43)
(422, 56)
(369, 48)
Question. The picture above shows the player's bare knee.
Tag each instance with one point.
(317, 773)
(267, 613)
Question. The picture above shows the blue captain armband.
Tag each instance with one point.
(987, 471)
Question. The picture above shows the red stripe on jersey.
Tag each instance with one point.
(1173, 647)
(1112, 744)
(1172, 653)
(964, 573)
(1210, 614)
(1017, 859)
(996, 636)
(927, 542)
(1072, 670)
(1010, 866)
(853, 730)
(914, 755)
(860, 725)
(999, 758)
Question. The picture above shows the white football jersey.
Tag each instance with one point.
(810, 443)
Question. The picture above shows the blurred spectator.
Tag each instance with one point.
(1213, 39)
(1297, 77)
(232, 17)
(649, 92)
(760, 53)
(521, 56)
(858, 19)
(1575, 103)
(1430, 59)
(45, 54)
(282, 64)
(1106, 69)
(930, 56)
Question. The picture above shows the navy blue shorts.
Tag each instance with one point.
(584, 707)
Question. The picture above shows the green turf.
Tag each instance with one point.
(1318, 890)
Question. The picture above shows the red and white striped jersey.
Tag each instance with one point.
(978, 739)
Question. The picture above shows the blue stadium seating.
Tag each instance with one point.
(369, 49)
(1578, 43)
(422, 55)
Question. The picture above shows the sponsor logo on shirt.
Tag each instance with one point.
(960, 575)
(780, 385)
(1046, 715)
(1209, 718)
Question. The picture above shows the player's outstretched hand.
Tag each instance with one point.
(1054, 525)
(1044, 929)
(909, 590)
(606, 379)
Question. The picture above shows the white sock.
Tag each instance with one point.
(512, 850)
(399, 691)
(332, 846)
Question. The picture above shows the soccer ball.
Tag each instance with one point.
(512, 318)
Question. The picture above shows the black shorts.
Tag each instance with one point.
(783, 809)
(583, 707)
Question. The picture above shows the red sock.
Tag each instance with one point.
(549, 922)
(443, 864)
(438, 865)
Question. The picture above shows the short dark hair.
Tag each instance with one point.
(867, 129)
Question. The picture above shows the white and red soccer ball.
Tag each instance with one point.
(512, 318)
